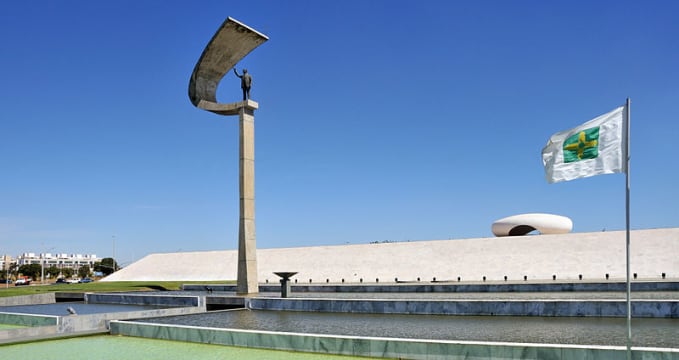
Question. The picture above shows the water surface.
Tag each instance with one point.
(121, 347)
(523, 329)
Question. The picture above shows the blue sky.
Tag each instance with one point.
(378, 120)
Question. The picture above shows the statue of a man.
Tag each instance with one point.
(245, 82)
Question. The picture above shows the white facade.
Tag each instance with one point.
(61, 261)
(5, 262)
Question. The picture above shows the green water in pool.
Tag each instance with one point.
(122, 347)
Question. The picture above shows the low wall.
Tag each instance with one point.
(226, 301)
(598, 308)
(16, 335)
(68, 324)
(46, 325)
(382, 347)
(142, 299)
(427, 287)
(45, 298)
(36, 326)
(27, 319)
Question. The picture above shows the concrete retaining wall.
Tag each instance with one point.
(15, 335)
(456, 288)
(79, 323)
(46, 325)
(383, 347)
(45, 298)
(27, 319)
(36, 326)
(142, 299)
(598, 308)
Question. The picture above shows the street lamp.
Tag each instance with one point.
(10, 269)
(114, 252)
(42, 268)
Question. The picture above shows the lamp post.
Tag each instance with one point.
(114, 253)
(10, 269)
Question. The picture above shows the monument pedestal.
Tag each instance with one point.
(247, 246)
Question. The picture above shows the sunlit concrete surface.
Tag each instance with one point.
(537, 257)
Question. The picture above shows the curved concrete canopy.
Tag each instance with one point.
(522, 224)
(231, 43)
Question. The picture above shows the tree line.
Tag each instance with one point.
(106, 266)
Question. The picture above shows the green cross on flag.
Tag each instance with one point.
(581, 146)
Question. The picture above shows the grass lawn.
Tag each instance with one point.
(101, 287)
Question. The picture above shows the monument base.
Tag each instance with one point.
(228, 109)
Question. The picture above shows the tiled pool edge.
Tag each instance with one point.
(45, 326)
(380, 347)
(143, 299)
(100, 321)
(48, 326)
(37, 325)
(444, 287)
(28, 319)
(45, 298)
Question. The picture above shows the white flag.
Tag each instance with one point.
(593, 148)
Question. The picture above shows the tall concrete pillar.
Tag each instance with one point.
(247, 246)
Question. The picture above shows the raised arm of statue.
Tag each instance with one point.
(236, 72)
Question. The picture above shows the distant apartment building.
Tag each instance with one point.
(61, 261)
(5, 262)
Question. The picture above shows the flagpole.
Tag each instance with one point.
(627, 232)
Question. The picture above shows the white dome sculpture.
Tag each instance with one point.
(522, 224)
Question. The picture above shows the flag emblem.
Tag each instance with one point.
(581, 146)
(596, 147)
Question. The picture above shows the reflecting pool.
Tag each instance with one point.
(522, 329)
(121, 347)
